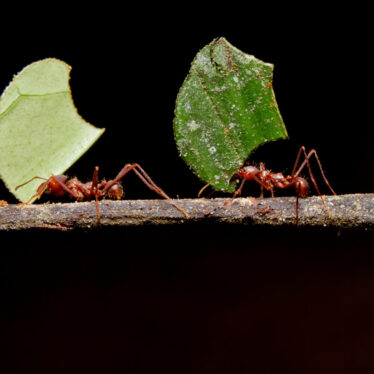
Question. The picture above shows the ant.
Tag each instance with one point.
(61, 185)
(270, 181)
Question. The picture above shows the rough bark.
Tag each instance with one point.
(345, 211)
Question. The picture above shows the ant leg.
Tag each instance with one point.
(216, 180)
(40, 191)
(256, 179)
(297, 209)
(37, 195)
(95, 192)
(146, 179)
(95, 179)
(306, 162)
(262, 192)
(237, 192)
(44, 186)
(297, 161)
(67, 189)
(202, 190)
(120, 175)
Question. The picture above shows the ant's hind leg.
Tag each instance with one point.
(306, 162)
(120, 175)
(301, 150)
(314, 152)
(146, 179)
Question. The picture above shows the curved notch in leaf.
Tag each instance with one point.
(225, 109)
(41, 133)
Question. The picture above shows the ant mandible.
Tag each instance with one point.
(270, 181)
(61, 185)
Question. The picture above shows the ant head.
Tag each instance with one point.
(246, 172)
(302, 187)
(53, 185)
(116, 192)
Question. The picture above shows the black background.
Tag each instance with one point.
(195, 298)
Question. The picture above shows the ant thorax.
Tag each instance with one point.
(278, 180)
(75, 185)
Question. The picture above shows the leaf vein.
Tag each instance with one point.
(219, 116)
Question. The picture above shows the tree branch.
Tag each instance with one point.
(345, 211)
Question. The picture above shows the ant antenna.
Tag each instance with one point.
(30, 180)
(216, 180)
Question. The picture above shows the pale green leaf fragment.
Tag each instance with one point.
(225, 109)
(41, 132)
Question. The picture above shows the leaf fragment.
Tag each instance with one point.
(41, 132)
(225, 109)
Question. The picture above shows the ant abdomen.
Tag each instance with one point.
(116, 192)
(302, 187)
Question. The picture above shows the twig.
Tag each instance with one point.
(344, 211)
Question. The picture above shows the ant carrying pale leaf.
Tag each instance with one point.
(61, 185)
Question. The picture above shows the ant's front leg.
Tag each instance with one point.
(39, 192)
(95, 181)
(237, 192)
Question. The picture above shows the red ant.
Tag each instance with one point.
(61, 185)
(269, 180)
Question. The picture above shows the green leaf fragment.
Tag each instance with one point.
(41, 132)
(225, 109)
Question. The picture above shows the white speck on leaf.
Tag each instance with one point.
(192, 125)
(212, 150)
